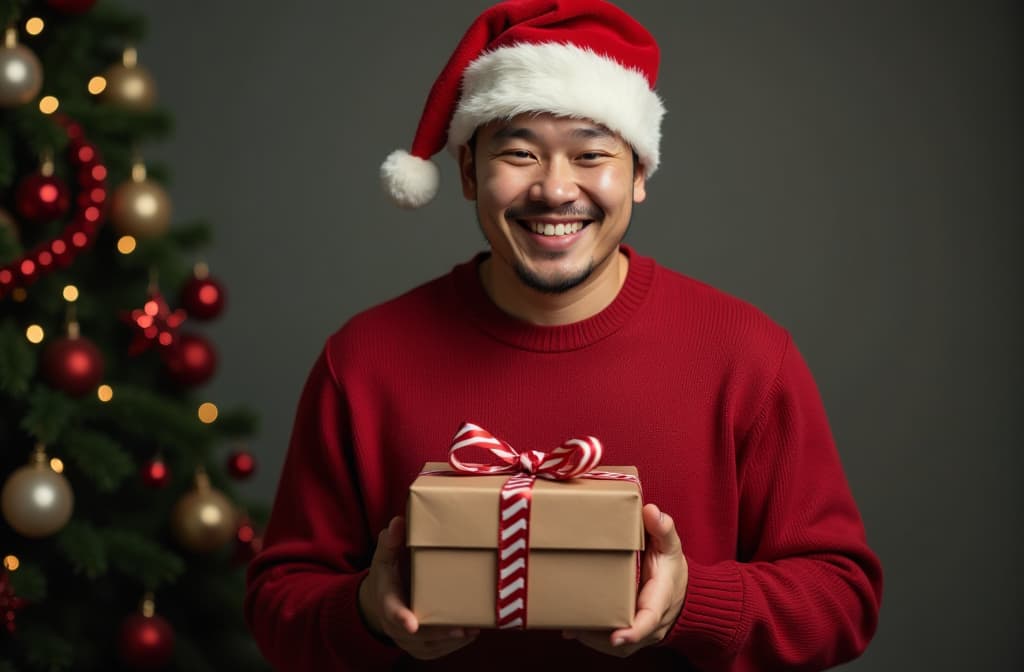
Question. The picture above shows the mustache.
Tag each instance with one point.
(540, 210)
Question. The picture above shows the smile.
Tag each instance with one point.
(554, 229)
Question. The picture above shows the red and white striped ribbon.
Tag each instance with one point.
(576, 458)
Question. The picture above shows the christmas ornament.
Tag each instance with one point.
(72, 364)
(155, 473)
(21, 73)
(129, 85)
(140, 207)
(36, 500)
(202, 296)
(155, 322)
(203, 520)
(80, 231)
(191, 360)
(146, 639)
(247, 543)
(241, 464)
(9, 603)
(41, 197)
(71, 6)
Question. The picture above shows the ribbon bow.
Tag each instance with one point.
(573, 458)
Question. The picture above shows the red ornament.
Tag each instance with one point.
(145, 642)
(80, 231)
(203, 297)
(71, 6)
(73, 365)
(247, 543)
(9, 603)
(241, 464)
(155, 323)
(41, 198)
(155, 473)
(191, 360)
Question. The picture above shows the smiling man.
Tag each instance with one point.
(756, 557)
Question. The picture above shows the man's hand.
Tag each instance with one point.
(383, 607)
(663, 579)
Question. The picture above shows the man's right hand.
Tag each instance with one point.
(384, 609)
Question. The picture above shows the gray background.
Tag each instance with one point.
(851, 167)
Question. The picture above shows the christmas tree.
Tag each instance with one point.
(123, 540)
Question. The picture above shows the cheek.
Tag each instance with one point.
(502, 187)
(610, 186)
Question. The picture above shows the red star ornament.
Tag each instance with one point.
(154, 323)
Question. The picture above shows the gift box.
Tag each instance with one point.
(582, 565)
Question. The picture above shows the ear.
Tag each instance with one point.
(467, 172)
(640, 183)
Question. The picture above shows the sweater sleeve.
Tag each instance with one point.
(805, 589)
(302, 598)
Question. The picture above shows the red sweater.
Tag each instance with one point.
(702, 392)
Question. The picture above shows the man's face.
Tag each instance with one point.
(553, 196)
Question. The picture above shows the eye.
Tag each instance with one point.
(591, 156)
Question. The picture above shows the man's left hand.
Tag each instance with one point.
(663, 579)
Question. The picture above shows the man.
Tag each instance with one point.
(756, 557)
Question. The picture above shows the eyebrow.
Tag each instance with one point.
(523, 133)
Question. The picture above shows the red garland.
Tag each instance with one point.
(88, 215)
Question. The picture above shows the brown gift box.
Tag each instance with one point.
(584, 539)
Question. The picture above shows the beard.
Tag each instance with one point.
(556, 285)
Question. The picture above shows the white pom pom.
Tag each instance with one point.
(410, 181)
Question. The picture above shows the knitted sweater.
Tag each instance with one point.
(702, 392)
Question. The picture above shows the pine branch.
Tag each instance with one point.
(99, 457)
(83, 547)
(17, 363)
(45, 649)
(142, 559)
(237, 423)
(7, 163)
(48, 414)
(29, 583)
(148, 416)
(188, 657)
(7, 667)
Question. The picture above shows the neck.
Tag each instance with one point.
(587, 299)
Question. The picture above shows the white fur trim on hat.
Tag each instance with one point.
(564, 80)
(410, 181)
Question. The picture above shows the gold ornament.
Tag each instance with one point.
(129, 85)
(204, 520)
(21, 73)
(37, 501)
(140, 207)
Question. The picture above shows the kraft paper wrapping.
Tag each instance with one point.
(584, 537)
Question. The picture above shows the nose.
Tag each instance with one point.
(556, 183)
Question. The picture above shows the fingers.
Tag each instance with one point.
(389, 543)
(399, 615)
(662, 529)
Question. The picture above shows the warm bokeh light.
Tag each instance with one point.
(11, 563)
(48, 104)
(105, 393)
(35, 334)
(19, 294)
(70, 293)
(34, 25)
(126, 244)
(56, 464)
(208, 412)
(97, 84)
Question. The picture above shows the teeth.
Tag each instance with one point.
(561, 229)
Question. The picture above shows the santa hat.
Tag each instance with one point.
(573, 58)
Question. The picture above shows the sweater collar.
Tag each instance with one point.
(501, 326)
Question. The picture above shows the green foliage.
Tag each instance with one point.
(29, 583)
(99, 457)
(153, 418)
(48, 415)
(83, 548)
(140, 558)
(17, 361)
(46, 650)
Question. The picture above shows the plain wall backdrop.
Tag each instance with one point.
(852, 167)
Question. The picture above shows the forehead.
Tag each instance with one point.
(545, 127)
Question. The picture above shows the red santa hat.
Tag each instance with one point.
(582, 59)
